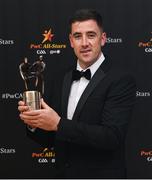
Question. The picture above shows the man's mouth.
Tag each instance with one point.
(86, 51)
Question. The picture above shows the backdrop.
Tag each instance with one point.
(23, 25)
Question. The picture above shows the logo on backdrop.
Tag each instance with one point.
(47, 46)
(146, 44)
(7, 150)
(8, 95)
(5, 42)
(143, 93)
(45, 155)
(47, 36)
(146, 154)
(111, 40)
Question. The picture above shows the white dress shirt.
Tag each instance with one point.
(79, 86)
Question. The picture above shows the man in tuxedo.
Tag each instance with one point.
(96, 105)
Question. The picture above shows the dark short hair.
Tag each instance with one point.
(86, 14)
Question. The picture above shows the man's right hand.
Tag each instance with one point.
(22, 108)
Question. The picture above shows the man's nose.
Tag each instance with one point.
(85, 41)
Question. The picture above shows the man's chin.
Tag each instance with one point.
(86, 59)
(86, 63)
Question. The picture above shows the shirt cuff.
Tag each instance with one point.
(31, 129)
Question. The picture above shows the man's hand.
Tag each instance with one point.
(45, 118)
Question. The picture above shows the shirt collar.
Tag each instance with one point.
(94, 66)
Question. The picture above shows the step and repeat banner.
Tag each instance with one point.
(24, 26)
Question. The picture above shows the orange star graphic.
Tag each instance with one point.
(47, 36)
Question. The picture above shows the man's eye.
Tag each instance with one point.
(77, 36)
(91, 36)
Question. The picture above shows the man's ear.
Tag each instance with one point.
(71, 41)
(103, 39)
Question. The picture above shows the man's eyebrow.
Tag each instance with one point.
(88, 32)
(76, 33)
(91, 32)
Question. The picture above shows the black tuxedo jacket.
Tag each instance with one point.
(92, 144)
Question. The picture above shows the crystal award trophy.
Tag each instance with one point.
(32, 74)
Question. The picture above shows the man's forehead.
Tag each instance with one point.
(83, 26)
(85, 22)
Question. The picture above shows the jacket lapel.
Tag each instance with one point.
(65, 93)
(98, 76)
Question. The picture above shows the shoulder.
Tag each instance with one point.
(118, 72)
(118, 76)
(122, 74)
(122, 79)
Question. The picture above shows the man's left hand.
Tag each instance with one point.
(45, 118)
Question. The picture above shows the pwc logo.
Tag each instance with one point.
(146, 45)
(45, 155)
(47, 36)
(146, 154)
(46, 45)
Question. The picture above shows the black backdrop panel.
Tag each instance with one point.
(129, 43)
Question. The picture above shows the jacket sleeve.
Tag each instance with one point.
(43, 138)
(115, 116)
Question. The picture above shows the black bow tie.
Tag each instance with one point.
(76, 75)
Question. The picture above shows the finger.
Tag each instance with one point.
(32, 112)
(21, 103)
(32, 124)
(23, 108)
(23, 116)
(44, 105)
